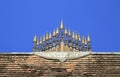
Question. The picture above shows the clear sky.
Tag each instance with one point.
(20, 20)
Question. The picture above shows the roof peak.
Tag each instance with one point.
(61, 25)
(62, 40)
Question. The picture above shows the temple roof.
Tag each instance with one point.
(32, 52)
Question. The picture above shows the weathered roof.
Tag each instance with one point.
(32, 52)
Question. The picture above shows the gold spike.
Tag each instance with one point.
(66, 31)
(79, 39)
(37, 42)
(47, 36)
(41, 40)
(54, 33)
(50, 36)
(57, 31)
(88, 39)
(61, 25)
(44, 39)
(83, 40)
(35, 39)
(76, 36)
(69, 32)
(73, 35)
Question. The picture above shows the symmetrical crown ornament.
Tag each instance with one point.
(62, 40)
(62, 44)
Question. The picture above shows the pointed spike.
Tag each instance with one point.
(35, 39)
(41, 40)
(83, 40)
(44, 38)
(73, 35)
(76, 36)
(50, 36)
(54, 33)
(79, 38)
(37, 42)
(69, 33)
(66, 31)
(88, 39)
(57, 31)
(61, 25)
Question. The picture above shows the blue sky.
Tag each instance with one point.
(20, 20)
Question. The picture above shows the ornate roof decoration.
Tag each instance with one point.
(62, 39)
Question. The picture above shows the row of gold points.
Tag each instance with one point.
(74, 35)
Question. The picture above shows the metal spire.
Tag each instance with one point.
(46, 36)
(76, 36)
(73, 35)
(88, 39)
(50, 36)
(83, 40)
(69, 33)
(66, 31)
(41, 40)
(54, 33)
(79, 39)
(37, 42)
(35, 39)
(61, 25)
(57, 31)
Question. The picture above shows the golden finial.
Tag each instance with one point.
(41, 40)
(46, 36)
(37, 42)
(50, 36)
(44, 39)
(35, 39)
(73, 35)
(83, 40)
(69, 33)
(61, 25)
(57, 31)
(88, 39)
(54, 33)
(76, 36)
(66, 31)
(79, 39)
